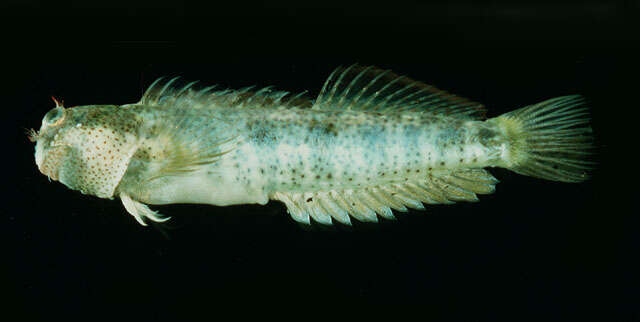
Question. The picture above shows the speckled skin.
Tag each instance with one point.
(89, 148)
(307, 150)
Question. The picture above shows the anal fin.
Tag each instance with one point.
(368, 203)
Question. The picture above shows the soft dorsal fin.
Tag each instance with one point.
(165, 92)
(369, 88)
(363, 204)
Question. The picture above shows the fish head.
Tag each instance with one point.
(86, 148)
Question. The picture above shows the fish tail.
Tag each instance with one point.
(550, 140)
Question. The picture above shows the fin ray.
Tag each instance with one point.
(366, 204)
(372, 89)
(140, 211)
(550, 140)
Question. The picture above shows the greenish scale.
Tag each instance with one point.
(309, 150)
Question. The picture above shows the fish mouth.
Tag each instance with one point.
(39, 156)
(49, 163)
(49, 170)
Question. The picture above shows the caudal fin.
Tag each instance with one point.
(550, 140)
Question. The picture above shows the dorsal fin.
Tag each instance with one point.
(165, 93)
(363, 204)
(369, 88)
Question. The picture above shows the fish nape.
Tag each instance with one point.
(370, 143)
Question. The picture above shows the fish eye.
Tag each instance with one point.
(54, 116)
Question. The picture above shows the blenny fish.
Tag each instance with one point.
(372, 141)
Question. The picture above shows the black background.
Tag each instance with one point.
(532, 250)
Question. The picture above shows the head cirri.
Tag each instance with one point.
(87, 148)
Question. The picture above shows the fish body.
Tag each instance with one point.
(371, 142)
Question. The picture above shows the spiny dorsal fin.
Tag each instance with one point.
(363, 204)
(373, 89)
(163, 93)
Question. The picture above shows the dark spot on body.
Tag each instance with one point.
(486, 134)
(330, 129)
